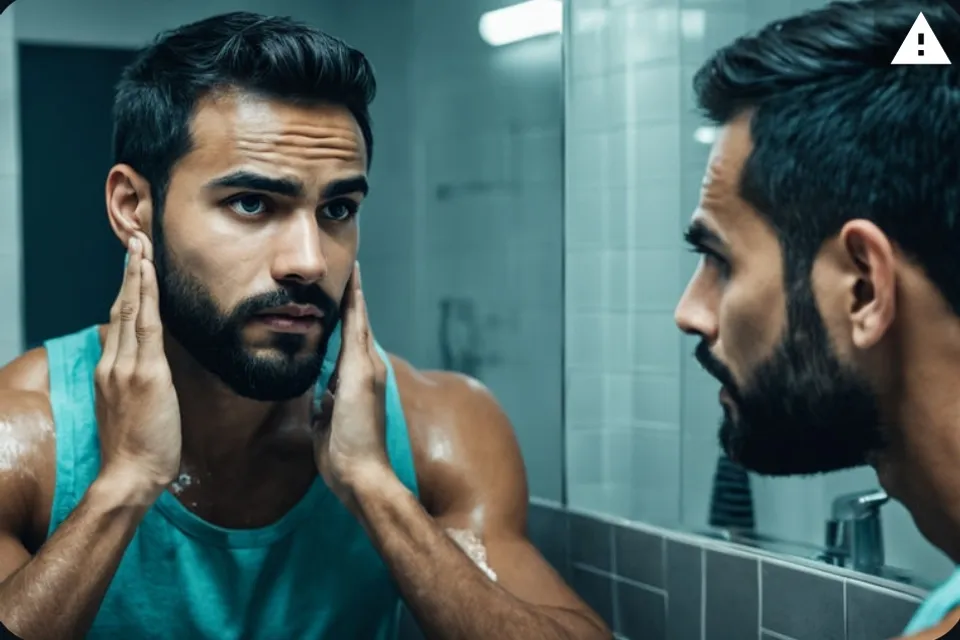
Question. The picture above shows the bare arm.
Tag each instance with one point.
(57, 593)
(478, 486)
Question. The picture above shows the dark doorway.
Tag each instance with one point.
(72, 261)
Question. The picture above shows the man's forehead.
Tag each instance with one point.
(232, 128)
(721, 208)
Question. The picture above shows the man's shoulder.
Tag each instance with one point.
(26, 417)
(464, 447)
(433, 393)
(27, 445)
(29, 372)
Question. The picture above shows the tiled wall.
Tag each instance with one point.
(650, 584)
(11, 333)
(489, 213)
(641, 415)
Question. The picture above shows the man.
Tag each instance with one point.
(828, 297)
(169, 475)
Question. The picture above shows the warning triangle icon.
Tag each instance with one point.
(921, 46)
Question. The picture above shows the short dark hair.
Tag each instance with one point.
(274, 57)
(838, 133)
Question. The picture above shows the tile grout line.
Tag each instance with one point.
(846, 624)
(703, 593)
(760, 600)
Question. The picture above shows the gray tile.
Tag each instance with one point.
(684, 589)
(732, 607)
(801, 604)
(596, 589)
(591, 542)
(641, 612)
(638, 556)
(548, 531)
(872, 613)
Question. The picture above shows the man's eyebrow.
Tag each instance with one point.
(286, 186)
(346, 186)
(699, 235)
(257, 182)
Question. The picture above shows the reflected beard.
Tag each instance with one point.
(215, 340)
(803, 412)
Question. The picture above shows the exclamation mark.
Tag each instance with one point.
(920, 42)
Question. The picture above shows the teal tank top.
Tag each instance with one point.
(938, 604)
(312, 575)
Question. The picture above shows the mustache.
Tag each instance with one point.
(714, 367)
(291, 294)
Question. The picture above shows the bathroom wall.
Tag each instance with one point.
(488, 211)
(653, 584)
(641, 415)
(11, 331)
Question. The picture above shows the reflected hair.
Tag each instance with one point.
(839, 133)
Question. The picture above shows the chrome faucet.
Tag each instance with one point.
(854, 535)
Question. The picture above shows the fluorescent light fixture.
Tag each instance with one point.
(521, 21)
(705, 135)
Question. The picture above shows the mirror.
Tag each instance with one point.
(641, 414)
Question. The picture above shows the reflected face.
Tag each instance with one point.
(791, 406)
(257, 240)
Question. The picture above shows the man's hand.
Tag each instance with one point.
(349, 426)
(137, 409)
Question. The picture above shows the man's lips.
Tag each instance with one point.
(298, 311)
(291, 318)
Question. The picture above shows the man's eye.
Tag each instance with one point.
(340, 210)
(248, 205)
(713, 260)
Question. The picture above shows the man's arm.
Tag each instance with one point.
(56, 593)
(478, 485)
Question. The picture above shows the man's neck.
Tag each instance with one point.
(922, 469)
(221, 428)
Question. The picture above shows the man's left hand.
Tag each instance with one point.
(349, 424)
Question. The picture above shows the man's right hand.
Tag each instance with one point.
(138, 414)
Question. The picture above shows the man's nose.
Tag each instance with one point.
(299, 251)
(693, 315)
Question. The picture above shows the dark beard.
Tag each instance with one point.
(802, 411)
(214, 339)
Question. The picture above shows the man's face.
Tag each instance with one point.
(791, 406)
(257, 240)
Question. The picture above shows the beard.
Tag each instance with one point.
(802, 411)
(214, 338)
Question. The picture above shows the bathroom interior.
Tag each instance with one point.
(536, 164)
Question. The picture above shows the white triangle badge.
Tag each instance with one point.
(921, 46)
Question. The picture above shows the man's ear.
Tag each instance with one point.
(129, 203)
(873, 298)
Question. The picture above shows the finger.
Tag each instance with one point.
(360, 309)
(147, 247)
(149, 327)
(130, 272)
(130, 306)
(350, 336)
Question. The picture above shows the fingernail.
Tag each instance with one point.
(134, 244)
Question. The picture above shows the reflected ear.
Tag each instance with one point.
(129, 204)
(873, 298)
